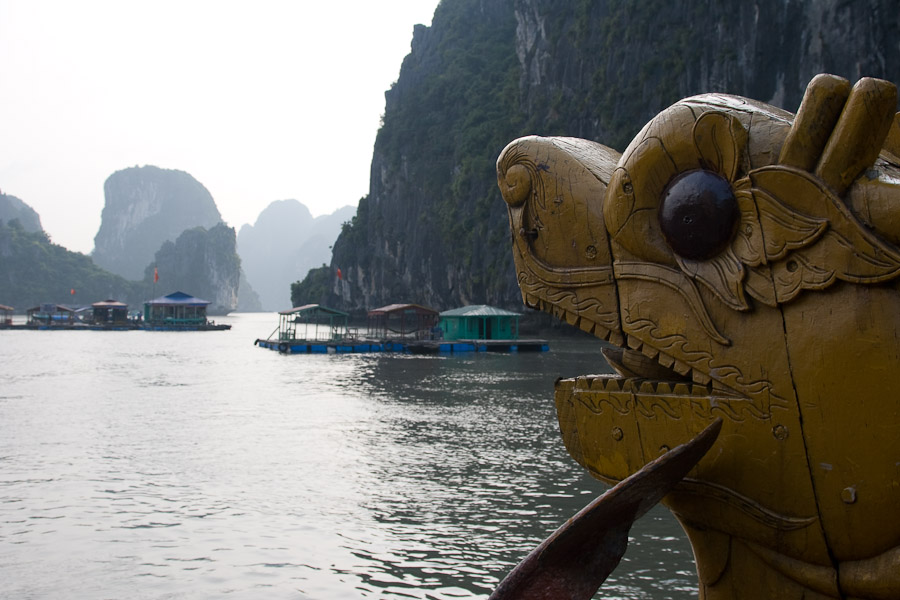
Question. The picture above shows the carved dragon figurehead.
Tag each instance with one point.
(744, 264)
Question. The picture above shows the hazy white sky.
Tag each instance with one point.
(259, 101)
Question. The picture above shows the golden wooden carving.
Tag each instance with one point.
(743, 263)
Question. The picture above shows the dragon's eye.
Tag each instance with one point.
(698, 214)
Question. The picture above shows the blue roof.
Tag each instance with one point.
(179, 298)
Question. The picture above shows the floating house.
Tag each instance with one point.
(403, 322)
(480, 328)
(313, 328)
(403, 328)
(312, 322)
(178, 312)
(51, 315)
(110, 313)
(480, 322)
(6, 313)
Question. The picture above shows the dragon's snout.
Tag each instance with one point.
(554, 189)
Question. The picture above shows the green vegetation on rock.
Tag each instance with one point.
(33, 270)
(433, 228)
(316, 285)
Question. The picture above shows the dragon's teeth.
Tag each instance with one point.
(681, 368)
(598, 383)
(701, 378)
(681, 389)
(649, 351)
(701, 391)
(634, 343)
(587, 326)
(609, 384)
(665, 360)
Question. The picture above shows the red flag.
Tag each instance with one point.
(339, 274)
(155, 275)
(72, 291)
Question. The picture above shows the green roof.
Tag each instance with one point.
(479, 310)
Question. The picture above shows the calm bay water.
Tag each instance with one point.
(196, 465)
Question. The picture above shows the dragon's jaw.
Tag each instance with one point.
(644, 377)
(648, 366)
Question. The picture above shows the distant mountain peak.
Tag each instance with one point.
(283, 245)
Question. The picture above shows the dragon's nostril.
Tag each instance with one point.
(517, 185)
(698, 214)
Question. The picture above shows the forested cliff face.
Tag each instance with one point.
(433, 227)
(33, 270)
(203, 263)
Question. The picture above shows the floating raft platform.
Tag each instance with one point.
(118, 327)
(456, 346)
(185, 327)
(408, 347)
(73, 327)
(324, 347)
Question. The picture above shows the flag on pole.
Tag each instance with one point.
(72, 292)
(340, 276)
(155, 275)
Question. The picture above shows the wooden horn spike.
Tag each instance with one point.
(818, 113)
(859, 134)
(892, 142)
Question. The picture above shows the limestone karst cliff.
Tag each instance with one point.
(203, 263)
(433, 227)
(146, 206)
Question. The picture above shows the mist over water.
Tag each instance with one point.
(196, 465)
